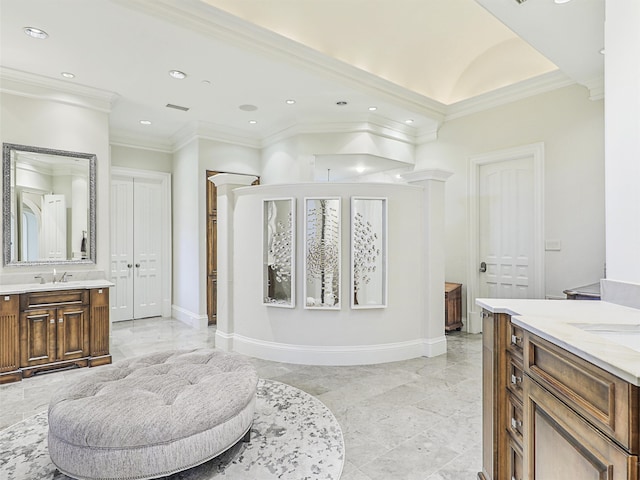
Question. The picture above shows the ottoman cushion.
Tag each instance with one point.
(152, 415)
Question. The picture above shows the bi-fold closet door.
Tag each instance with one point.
(136, 247)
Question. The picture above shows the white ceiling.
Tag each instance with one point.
(425, 60)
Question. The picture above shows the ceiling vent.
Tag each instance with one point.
(177, 107)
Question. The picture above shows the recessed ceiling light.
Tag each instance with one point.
(145, 122)
(36, 32)
(253, 122)
(602, 51)
(68, 75)
(248, 108)
(360, 169)
(206, 82)
(373, 109)
(408, 121)
(560, 2)
(177, 74)
(341, 103)
(290, 101)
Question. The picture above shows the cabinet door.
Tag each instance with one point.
(72, 333)
(37, 337)
(561, 445)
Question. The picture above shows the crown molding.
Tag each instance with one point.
(16, 82)
(144, 142)
(596, 88)
(209, 131)
(518, 91)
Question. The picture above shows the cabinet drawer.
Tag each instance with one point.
(58, 297)
(515, 464)
(515, 417)
(605, 400)
(515, 340)
(515, 374)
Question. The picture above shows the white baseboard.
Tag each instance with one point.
(432, 347)
(331, 355)
(192, 319)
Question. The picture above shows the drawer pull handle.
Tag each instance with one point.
(516, 424)
(515, 340)
(515, 380)
(53, 320)
(60, 320)
(485, 314)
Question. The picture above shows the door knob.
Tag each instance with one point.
(483, 266)
(129, 265)
(137, 265)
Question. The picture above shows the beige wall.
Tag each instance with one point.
(572, 129)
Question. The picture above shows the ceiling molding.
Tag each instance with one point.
(596, 88)
(29, 85)
(518, 91)
(375, 126)
(216, 133)
(143, 142)
(216, 23)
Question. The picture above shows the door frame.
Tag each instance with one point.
(166, 244)
(535, 150)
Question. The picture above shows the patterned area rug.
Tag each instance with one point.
(294, 437)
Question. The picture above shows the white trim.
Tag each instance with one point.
(431, 174)
(329, 354)
(535, 150)
(167, 249)
(190, 318)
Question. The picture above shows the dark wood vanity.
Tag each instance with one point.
(53, 329)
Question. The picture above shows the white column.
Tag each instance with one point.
(432, 265)
(622, 140)
(225, 184)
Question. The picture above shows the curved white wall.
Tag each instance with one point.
(346, 336)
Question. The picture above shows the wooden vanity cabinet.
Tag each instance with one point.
(54, 330)
(550, 415)
(49, 330)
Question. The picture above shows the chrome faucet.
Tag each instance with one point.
(41, 278)
(64, 276)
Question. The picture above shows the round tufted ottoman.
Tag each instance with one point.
(152, 415)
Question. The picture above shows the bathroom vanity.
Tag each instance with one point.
(46, 327)
(561, 390)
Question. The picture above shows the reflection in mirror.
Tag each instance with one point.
(279, 220)
(48, 206)
(322, 253)
(368, 252)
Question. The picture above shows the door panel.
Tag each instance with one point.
(37, 337)
(73, 336)
(146, 248)
(136, 246)
(122, 248)
(506, 219)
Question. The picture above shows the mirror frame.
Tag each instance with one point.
(7, 148)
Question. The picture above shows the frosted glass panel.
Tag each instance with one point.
(279, 217)
(322, 253)
(368, 252)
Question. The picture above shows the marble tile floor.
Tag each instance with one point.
(417, 419)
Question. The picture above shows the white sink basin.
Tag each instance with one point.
(627, 335)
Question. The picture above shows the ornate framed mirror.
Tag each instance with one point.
(48, 206)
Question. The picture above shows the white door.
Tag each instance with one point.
(136, 236)
(54, 227)
(506, 229)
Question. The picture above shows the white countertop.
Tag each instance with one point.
(13, 289)
(605, 334)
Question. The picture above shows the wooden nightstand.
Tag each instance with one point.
(452, 306)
